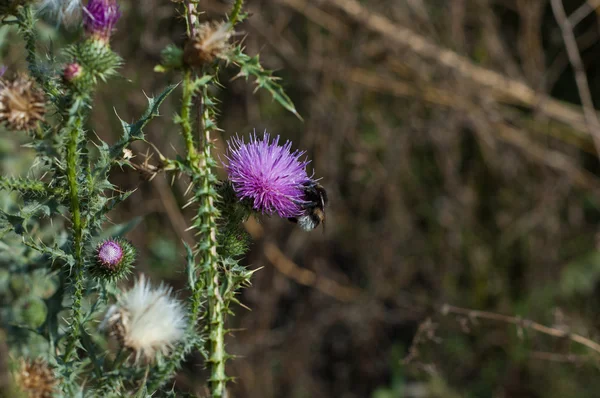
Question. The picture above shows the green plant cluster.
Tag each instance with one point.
(51, 289)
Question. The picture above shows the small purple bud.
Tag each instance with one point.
(72, 71)
(3, 69)
(114, 259)
(110, 253)
(100, 18)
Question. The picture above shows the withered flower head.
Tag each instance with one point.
(36, 379)
(146, 320)
(210, 41)
(22, 104)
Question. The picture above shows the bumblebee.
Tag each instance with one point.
(315, 200)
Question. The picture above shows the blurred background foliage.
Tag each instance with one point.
(460, 171)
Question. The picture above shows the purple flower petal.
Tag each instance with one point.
(100, 18)
(110, 253)
(270, 175)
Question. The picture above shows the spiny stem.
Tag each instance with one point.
(186, 122)
(27, 25)
(207, 217)
(74, 126)
(31, 187)
(235, 12)
(26, 20)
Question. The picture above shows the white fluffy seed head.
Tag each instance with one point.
(65, 11)
(147, 320)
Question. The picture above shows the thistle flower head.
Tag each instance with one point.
(268, 174)
(22, 104)
(114, 259)
(100, 18)
(36, 379)
(147, 320)
(209, 41)
(65, 11)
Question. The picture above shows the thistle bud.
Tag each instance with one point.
(210, 41)
(36, 378)
(72, 71)
(100, 18)
(31, 311)
(114, 259)
(22, 104)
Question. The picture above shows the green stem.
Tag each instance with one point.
(27, 186)
(235, 12)
(74, 127)
(207, 219)
(27, 25)
(186, 120)
(27, 21)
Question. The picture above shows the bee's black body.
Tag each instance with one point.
(315, 198)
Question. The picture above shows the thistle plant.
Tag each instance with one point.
(74, 326)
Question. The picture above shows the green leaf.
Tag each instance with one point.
(117, 230)
(171, 58)
(191, 266)
(250, 66)
(131, 132)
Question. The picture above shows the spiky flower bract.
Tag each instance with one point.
(100, 18)
(147, 320)
(268, 174)
(210, 41)
(36, 379)
(22, 104)
(114, 259)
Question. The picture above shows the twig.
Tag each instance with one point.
(521, 323)
(301, 275)
(591, 118)
(560, 358)
(583, 11)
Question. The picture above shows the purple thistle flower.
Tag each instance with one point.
(100, 18)
(270, 175)
(110, 253)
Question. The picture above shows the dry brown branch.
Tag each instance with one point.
(318, 16)
(583, 11)
(521, 323)
(501, 87)
(301, 275)
(591, 117)
(172, 209)
(560, 358)
(553, 159)
(425, 332)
